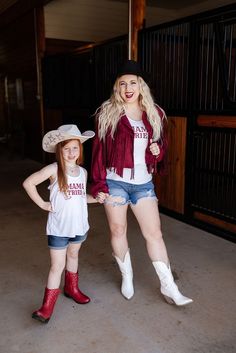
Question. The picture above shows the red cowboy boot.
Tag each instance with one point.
(46, 310)
(71, 289)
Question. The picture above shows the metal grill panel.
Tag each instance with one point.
(217, 67)
(107, 58)
(165, 55)
(230, 54)
(214, 172)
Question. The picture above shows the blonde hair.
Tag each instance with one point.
(110, 112)
(61, 171)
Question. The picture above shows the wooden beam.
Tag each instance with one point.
(217, 121)
(215, 221)
(137, 22)
(19, 9)
(40, 50)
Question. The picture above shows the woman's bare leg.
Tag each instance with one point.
(147, 214)
(117, 220)
(150, 225)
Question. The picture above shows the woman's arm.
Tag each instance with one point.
(156, 151)
(98, 168)
(37, 178)
(100, 196)
(91, 199)
(158, 148)
(163, 146)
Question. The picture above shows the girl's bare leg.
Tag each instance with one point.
(58, 260)
(72, 257)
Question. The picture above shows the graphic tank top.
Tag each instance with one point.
(70, 212)
(141, 175)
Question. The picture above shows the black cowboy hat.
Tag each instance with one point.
(131, 67)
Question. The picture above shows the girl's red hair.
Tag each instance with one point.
(61, 172)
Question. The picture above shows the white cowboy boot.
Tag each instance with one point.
(127, 288)
(168, 287)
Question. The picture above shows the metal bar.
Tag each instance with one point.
(130, 31)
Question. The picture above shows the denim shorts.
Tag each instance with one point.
(55, 242)
(129, 193)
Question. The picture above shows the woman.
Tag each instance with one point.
(129, 146)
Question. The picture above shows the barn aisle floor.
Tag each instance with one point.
(204, 264)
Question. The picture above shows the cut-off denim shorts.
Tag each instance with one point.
(55, 242)
(126, 193)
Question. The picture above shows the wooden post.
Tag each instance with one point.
(39, 50)
(136, 22)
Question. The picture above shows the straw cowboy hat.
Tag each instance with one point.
(64, 132)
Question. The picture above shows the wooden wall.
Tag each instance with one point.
(18, 62)
(171, 187)
(2, 108)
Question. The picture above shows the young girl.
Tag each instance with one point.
(67, 224)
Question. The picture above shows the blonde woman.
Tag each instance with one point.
(129, 146)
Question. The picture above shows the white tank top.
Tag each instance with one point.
(70, 213)
(141, 175)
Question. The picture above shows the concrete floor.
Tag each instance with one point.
(203, 263)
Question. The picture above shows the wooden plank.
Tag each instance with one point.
(138, 17)
(217, 121)
(55, 46)
(215, 221)
(171, 187)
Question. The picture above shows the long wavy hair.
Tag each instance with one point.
(110, 112)
(61, 171)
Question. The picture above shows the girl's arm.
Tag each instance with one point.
(90, 198)
(48, 172)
